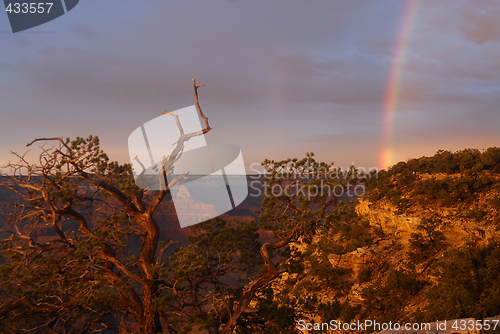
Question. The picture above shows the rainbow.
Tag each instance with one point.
(391, 97)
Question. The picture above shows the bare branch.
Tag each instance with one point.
(198, 104)
(163, 250)
(249, 290)
(47, 139)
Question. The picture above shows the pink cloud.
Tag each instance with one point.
(481, 28)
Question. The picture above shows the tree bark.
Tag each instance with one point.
(249, 290)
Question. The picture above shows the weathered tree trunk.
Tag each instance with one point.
(151, 323)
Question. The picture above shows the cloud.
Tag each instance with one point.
(481, 28)
(282, 77)
(82, 29)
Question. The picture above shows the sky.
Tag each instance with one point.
(282, 77)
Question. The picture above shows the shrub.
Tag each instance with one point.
(427, 240)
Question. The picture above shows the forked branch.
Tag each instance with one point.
(198, 104)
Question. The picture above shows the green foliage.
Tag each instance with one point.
(343, 232)
(224, 243)
(350, 231)
(491, 159)
(445, 179)
(220, 259)
(384, 300)
(335, 309)
(401, 203)
(281, 318)
(365, 274)
(476, 213)
(468, 284)
(322, 225)
(495, 202)
(427, 240)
